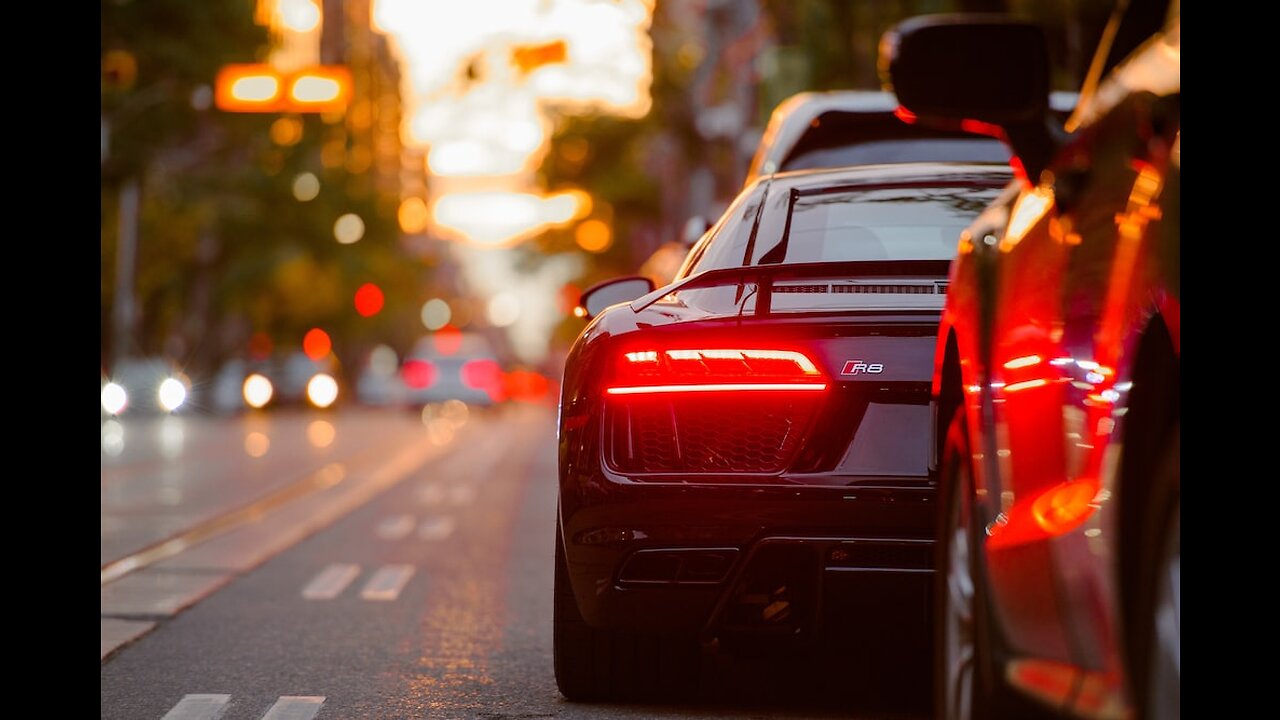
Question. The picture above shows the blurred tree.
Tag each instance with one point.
(223, 246)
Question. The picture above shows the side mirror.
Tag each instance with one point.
(987, 73)
(611, 292)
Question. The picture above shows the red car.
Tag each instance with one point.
(1057, 373)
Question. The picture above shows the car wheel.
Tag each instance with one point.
(1158, 667)
(593, 664)
(966, 686)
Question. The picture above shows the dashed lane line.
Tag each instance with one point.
(295, 707)
(387, 582)
(198, 707)
(331, 581)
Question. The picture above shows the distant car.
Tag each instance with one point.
(1058, 377)
(840, 128)
(145, 385)
(290, 380)
(711, 484)
(843, 128)
(452, 366)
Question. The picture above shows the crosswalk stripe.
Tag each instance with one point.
(198, 707)
(331, 581)
(387, 582)
(436, 528)
(295, 707)
(395, 527)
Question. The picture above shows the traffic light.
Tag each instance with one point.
(531, 57)
(262, 88)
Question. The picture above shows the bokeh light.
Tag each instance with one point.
(316, 344)
(320, 433)
(455, 412)
(504, 309)
(286, 131)
(256, 444)
(257, 391)
(383, 361)
(413, 215)
(322, 390)
(300, 15)
(593, 236)
(172, 394)
(348, 229)
(306, 186)
(369, 300)
(436, 314)
(114, 398)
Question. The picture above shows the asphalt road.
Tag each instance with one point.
(423, 591)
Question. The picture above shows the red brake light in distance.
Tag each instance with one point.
(418, 374)
(715, 370)
(480, 374)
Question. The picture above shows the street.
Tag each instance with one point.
(365, 564)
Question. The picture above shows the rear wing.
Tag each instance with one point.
(764, 277)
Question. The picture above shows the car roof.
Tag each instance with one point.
(793, 121)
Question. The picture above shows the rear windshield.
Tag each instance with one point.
(908, 223)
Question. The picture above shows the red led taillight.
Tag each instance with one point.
(418, 374)
(710, 411)
(715, 370)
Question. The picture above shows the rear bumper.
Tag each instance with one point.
(696, 558)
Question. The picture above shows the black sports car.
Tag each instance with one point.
(736, 445)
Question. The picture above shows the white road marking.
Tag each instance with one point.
(396, 527)
(462, 494)
(295, 707)
(198, 707)
(331, 581)
(431, 494)
(387, 583)
(436, 528)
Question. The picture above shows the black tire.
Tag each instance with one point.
(593, 664)
(1154, 636)
(960, 568)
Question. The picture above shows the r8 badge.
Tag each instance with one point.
(860, 367)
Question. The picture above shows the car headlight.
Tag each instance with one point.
(172, 394)
(322, 390)
(257, 390)
(114, 398)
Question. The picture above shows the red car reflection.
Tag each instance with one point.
(1057, 378)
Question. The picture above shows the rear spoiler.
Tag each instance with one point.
(765, 275)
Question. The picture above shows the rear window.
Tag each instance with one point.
(906, 223)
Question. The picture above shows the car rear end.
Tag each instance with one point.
(729, 473)
(452, 366)
(746, 456)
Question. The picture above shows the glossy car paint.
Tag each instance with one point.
(606, 515)
(1053, 290)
